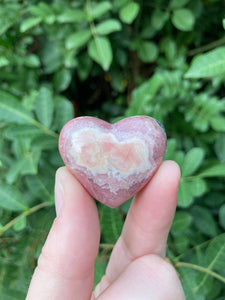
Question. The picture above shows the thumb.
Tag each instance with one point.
(66, 265)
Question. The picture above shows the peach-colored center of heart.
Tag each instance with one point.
(102, 153)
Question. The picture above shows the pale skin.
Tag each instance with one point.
(137, 269)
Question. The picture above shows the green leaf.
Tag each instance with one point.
(222, 216)
(148, 52)
(204, 221)
(52, 56)
(181, 243)
(178, 157)
(170, 149)
(120, 3)
(29, 100)
(143, 94)
(209, 64)
(183, 19)
(26, 164)
(213, 171)
(11, 110)
(32, 61)
(178, 3)
(20, 223)
(99, 9)
(192, 161)
(149, 31)
(9, 14)
(84, 67)
(4, 61)
(159, 19)
(44, 142)
(108, 26)
(78, 39)
(44, 106)
(215, 253)
(220, 147)
(31, 162)
(169, 46)
(185, 195)
(215, 289)
(214, 199)
(111, 223)
(71, 16)
(11, 198)
(129, 12)
(215, 260)
(55, 160)
(70, 60)
(62, 79)
(42, 9)
(182, 221)
(204, 283)
(50, 19)
(14, 170)
(218, 123)
(99, 49)
(29, 23)
(22, 131)
(38, 187)
(21, 147)
(189, 283)
(198, 187)
(189, 189)
(204, 108)
(64, 113)
(200, 123)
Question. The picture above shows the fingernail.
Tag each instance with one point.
(59, 192)
(92, 297)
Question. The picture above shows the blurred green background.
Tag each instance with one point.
(113, 59)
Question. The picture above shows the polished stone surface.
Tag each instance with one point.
(113, 161)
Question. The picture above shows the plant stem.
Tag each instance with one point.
(30, 120)
(106, 246)
(201, 269)
(45, 129)
(25, 213)
(199, 246)
(93, 30)
(207, 47)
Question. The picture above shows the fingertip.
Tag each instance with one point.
(169, 169)
(166, 177)
(60, 170)
(68, 180)
(67, 186)
(172, 168)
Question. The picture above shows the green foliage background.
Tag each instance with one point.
(113, 59)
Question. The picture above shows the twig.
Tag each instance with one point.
(25, 213)
(206, 47)
(201, 269)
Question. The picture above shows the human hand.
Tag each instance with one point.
(136, 270)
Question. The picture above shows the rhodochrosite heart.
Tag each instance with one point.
(112, 161)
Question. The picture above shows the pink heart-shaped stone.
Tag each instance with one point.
(113, 161)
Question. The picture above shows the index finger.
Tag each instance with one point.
(148, 221)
